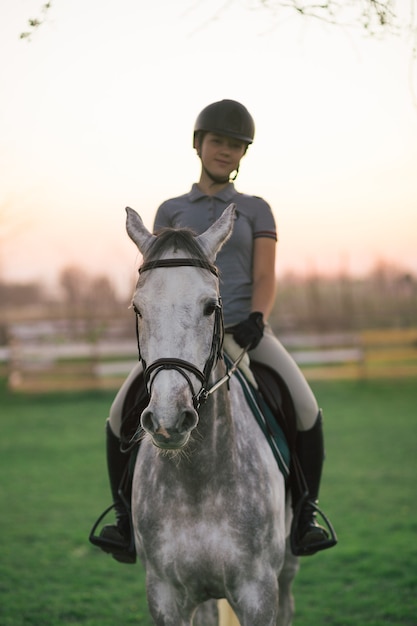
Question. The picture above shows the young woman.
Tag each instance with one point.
(222, 133)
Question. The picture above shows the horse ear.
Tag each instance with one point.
(137, 231)
(214, 237)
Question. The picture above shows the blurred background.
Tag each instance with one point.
(97, 107)
(97, 111)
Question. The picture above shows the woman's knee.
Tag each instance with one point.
(116, 409)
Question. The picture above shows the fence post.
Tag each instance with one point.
(15, 378)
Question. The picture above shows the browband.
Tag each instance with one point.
(179, 263)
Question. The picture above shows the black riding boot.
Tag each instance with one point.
(117, 538)
(307, 536)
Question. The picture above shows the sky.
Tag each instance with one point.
(97, 113)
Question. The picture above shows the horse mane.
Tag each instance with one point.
(177, 239)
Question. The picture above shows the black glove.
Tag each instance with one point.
(249, 333)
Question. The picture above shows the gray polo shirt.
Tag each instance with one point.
(254, 219)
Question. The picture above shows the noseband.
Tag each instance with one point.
(178, 364)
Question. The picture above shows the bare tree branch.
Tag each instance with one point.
(34, 23)
(376, 17)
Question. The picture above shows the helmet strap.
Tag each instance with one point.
(198, 140)
(220, 181)
(216, 179)
(233, 178)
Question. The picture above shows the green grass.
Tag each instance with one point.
(54, 484)
(369, 491)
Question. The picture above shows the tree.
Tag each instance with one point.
(11, 226)
(34, 23)
(90, 301)
(75, 285)
(375, 17)
(94, 295)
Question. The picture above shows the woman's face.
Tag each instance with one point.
(220, 155)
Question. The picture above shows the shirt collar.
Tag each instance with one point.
(226, 194)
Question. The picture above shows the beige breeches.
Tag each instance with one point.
(271, 352)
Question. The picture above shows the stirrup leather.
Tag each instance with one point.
(299, 550)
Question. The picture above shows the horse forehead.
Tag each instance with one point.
(179, 284)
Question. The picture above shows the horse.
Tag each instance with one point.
(209, 508)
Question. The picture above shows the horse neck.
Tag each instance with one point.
(209, 463)
(215, 433)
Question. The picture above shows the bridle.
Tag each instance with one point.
(179, 365)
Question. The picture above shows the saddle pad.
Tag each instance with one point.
(267, 422)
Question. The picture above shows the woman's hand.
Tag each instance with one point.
(249, 333)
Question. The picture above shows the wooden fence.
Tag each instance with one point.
(387, 353)
(41, 365)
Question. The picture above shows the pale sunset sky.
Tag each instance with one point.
(97, 112)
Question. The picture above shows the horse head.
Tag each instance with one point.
(179, 318)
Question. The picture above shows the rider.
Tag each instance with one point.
(222, 133)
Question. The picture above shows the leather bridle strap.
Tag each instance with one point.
(178, 364)
(172, 364)
(150, 265)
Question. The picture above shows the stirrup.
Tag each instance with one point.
(299, 550)
(119, 550)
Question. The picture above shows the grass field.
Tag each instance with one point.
(53, 485)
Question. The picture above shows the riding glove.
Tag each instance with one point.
(249, 333)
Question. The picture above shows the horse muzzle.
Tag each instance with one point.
(174, 436)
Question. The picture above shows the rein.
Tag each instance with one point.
(180, 365)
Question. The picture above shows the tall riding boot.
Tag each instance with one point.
(307, 536)
(118, 538)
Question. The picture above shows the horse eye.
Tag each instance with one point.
(209, 308)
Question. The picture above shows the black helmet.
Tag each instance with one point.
(226, 117)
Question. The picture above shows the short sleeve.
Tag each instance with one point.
(264, 221)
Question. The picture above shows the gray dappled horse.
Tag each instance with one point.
(208, 502)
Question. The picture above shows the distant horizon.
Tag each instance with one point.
(52, 287)
(87, 129)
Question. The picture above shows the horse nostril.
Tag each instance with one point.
(148, 422)
(185, 422)
(188, 420)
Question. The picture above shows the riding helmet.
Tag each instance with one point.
(226, 117)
